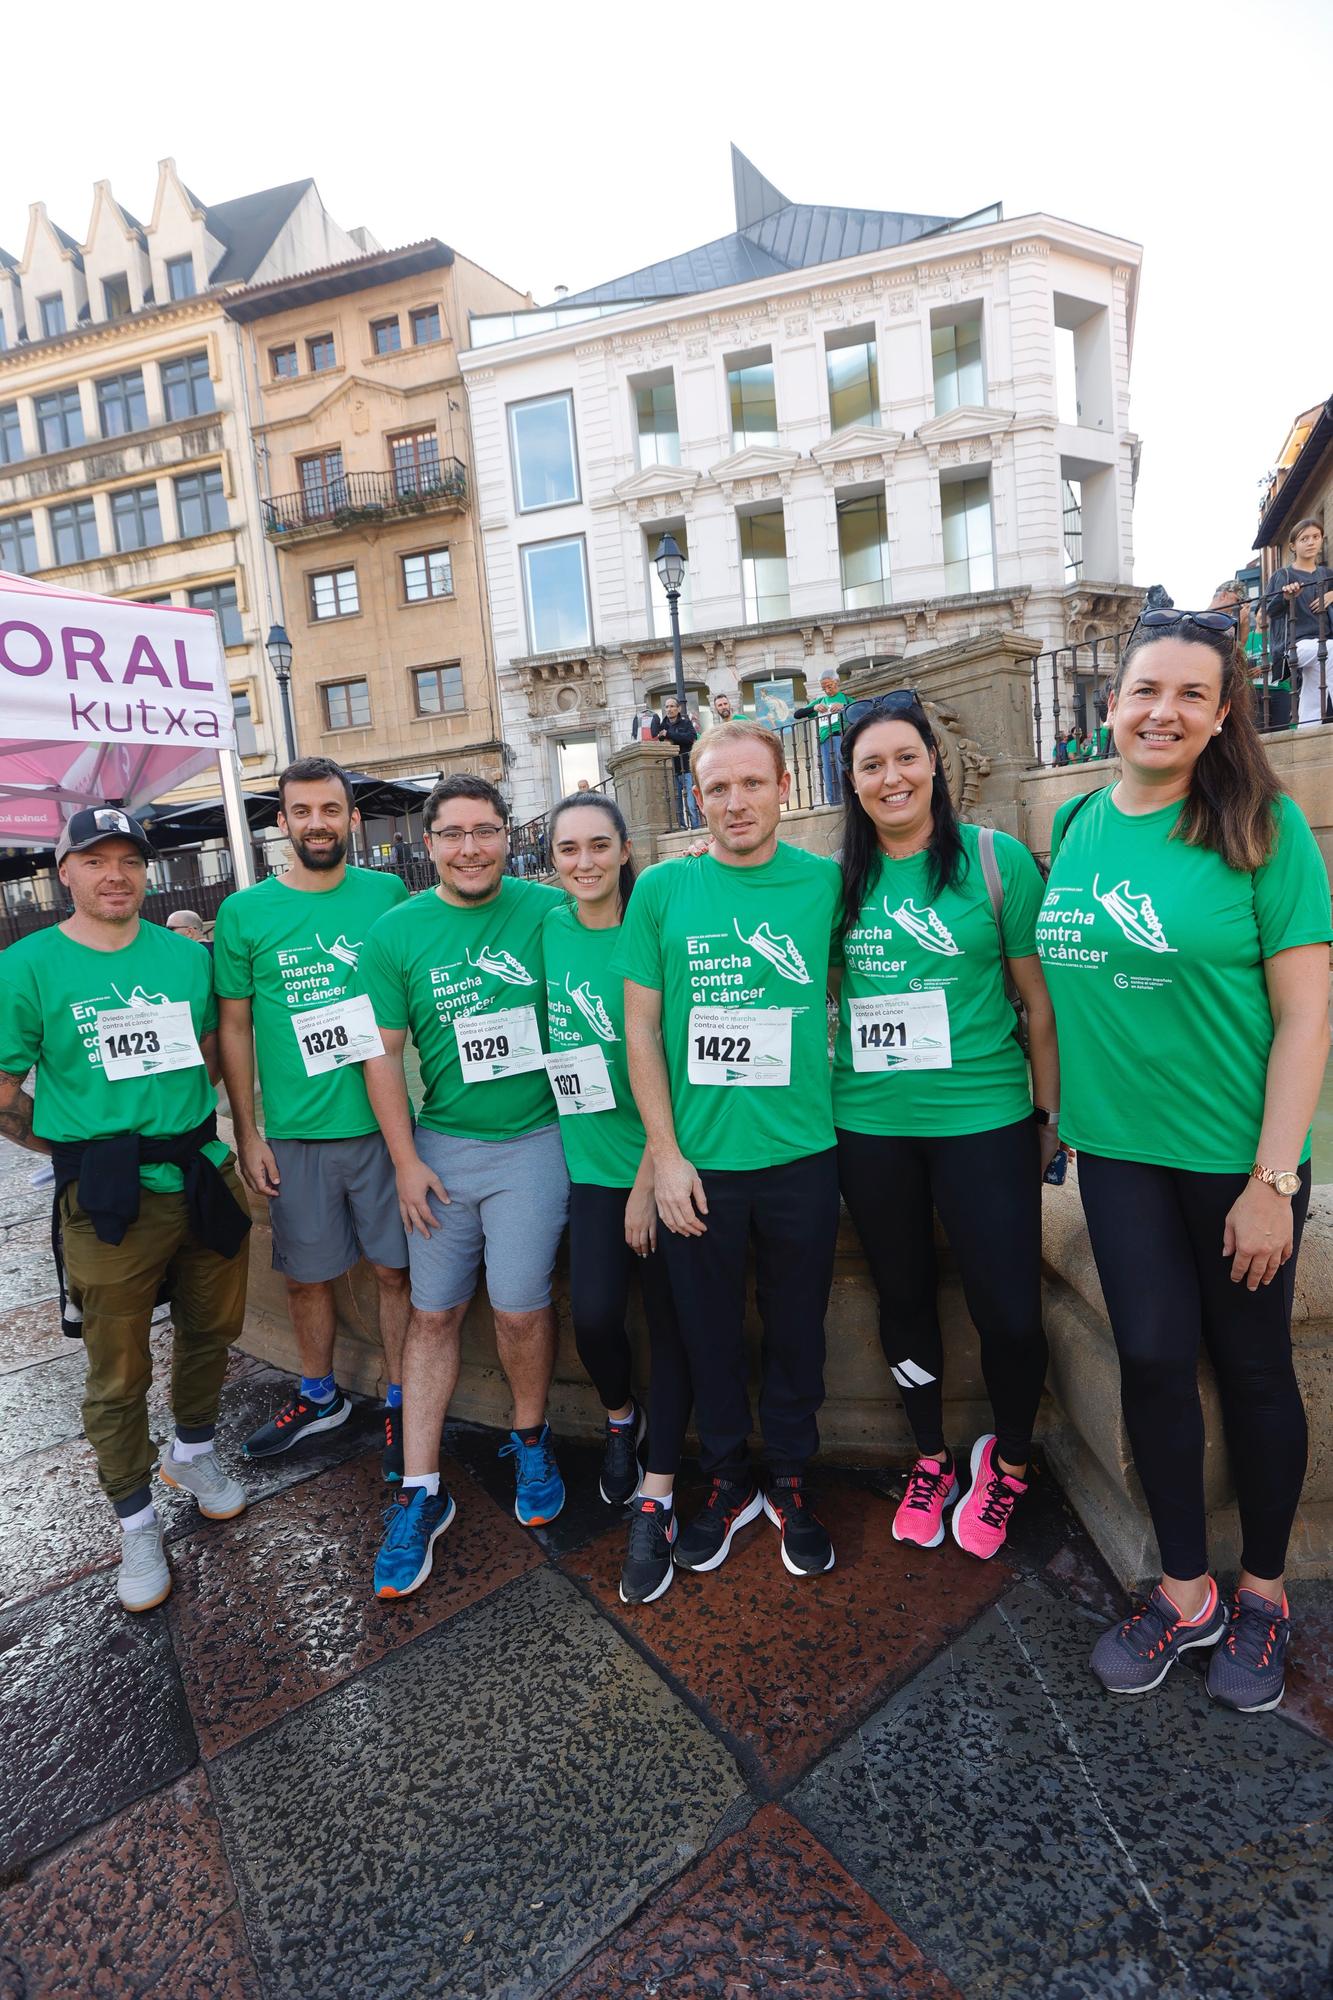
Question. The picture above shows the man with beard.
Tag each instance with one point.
(285, 953)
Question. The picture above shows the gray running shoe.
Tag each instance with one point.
(220, 1496)
(143, 1578)
(1136, 1656)
(1247, 1672)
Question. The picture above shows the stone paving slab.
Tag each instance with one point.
(783, 1664)
(1119, 1818)
(281, 1608)
(1309, 1697)
(472, 1816)
(31, 1334)
(769, 1911)
(143, 1905)
(92, 1715)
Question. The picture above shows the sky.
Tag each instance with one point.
(564, 145)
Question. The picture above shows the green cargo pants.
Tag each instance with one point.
(118, 1284)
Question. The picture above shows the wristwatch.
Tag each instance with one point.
(1281, 1183)
(1046, 1117)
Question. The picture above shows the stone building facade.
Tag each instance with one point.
(360, 430)
(863, 456)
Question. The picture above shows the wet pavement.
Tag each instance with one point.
(898, 1780)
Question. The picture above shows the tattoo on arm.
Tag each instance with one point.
(16, 1114)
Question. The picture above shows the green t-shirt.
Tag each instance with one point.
(827, 707)
(430, 963)
(51, 993)
(905, 943)
(286, 950)
(585, 1005)
(1154, 955)
(709, 935)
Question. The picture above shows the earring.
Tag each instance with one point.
(1217, 729)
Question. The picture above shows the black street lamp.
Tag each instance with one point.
(279, 649)
(670, 564)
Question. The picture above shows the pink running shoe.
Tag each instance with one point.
(981, 1518)
(920, 1515)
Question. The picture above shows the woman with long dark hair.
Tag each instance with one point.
(612, 1212)
(933, 1107)
(1185, 937)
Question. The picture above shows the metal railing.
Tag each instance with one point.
(1290, 676)
(352, 499)
(1070, 686)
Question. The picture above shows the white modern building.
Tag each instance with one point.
(869, 433)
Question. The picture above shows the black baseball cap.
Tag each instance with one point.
(85, 829)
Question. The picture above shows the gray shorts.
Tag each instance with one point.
(508, 1200)
(339, 1203)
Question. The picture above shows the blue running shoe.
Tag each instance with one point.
(1248, 1670)
(539, 1490)
(1137, 1655)
(412, 1526)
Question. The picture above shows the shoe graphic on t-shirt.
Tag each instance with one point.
(929, 930)
(592, 1010)
(779, 951)
(341, 948)
(138, 998)
(503, 965)
(1135, 915)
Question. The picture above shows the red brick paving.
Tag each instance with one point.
(1309, 1696)
(280, 1608)
(785, 1665)
(769, 1911)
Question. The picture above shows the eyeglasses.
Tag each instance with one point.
(451, 837)
(897, 702)
(1163, 621)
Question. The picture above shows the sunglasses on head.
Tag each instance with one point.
(1163, 621)
(897, 702)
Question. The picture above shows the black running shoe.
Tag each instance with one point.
(652, 1536)
(391, 1458)
(296, 1421)
(806, 1548)
(706, 1543)
(621, 1474)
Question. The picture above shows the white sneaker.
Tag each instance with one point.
(143, 1578)
(220, 1496)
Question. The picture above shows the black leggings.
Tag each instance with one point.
(600, 1263)
(1157, 1238)
(987, 1189)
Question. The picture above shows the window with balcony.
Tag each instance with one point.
(11, 435)
(59, 420)
(555, 589)
(121, 404)
(386, 335)
(136, 518)
(1083, 363)
(545, 455)
(969, 542)
(655, 423)
(955, 352)
(347, 705)
(853, 377)
(74, 532)
(323, 484)
(243, 715)
(863, 550)
(220, 599)
(438, 690)
(201, 504)
(18, 544)
(52, 311)
(187, 390)
(415, 457)
(425, 326)
(180, 278)
(430, 574)
(116, 297)
(763, 540)
(753, 399)
(333, 594)
(659, 608)
(321, 353)
(282, 361)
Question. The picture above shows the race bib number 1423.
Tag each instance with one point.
(140, 1041)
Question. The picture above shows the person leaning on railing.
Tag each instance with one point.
(1296, 596)
(1231, 596)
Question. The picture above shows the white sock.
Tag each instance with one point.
(660, 1499)
(143, 1519)
(183, 1453)
(429, 1480)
